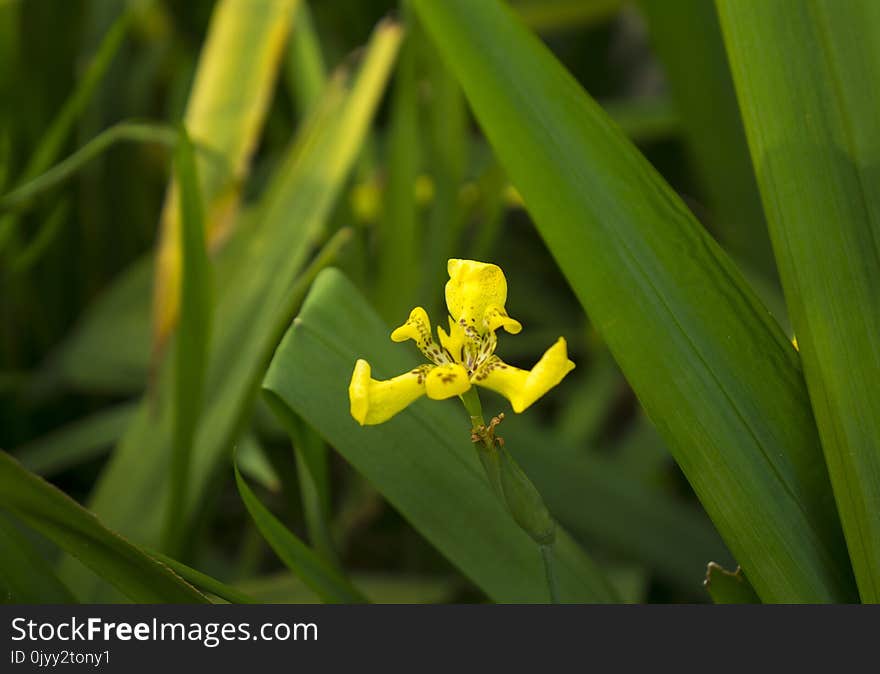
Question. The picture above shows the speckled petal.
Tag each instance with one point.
(373, 401)
(418, 329)
(523, 387)
(446, 381)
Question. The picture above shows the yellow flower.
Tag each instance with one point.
(475, 296)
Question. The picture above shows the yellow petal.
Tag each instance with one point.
(454, 341)
(472, 288)
(496, 317)
(373, 401)
(418, 329)
(523, 387)
(446, 381)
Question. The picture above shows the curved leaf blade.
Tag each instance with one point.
(322, 578)
(76, 530)
(25, 576)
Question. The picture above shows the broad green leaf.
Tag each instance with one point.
(26, 577)
(76, 530)
(228, 103)
(815, 66)
(422, 460)
(322, 578)
(192, 337)
(728, 587)
(711, 367)
(256, 301)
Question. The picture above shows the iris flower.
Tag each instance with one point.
(465, 356)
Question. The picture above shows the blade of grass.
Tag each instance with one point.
(712, 369)
(226, 109)
(323, 579)
(193, 336)
(52, 142)
(314, 482)
(136, 132)
(58, 517)
(816, 159)
(304, 65)
(422, 460)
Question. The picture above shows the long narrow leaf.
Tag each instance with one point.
(713, 370)
(234, 81)
(25, 576)
(815, 65)
(76, 530)
(53, 140)
(305, 563)
(193, 335)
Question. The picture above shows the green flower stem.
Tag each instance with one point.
(471, 401)
(513, 487)
(550, 572)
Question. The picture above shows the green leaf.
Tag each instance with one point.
(52, 142)
(816, 158)
(422, 460)
(76, 530)
(326, 582)
(227, 106)
(256, 300)
(712, 369)
(26, 577)
(203, 581)
(304, 64)
(312, 470)
(131, 132)
(193, 336)
(728, 587)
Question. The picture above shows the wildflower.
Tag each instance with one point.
(475, 296)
